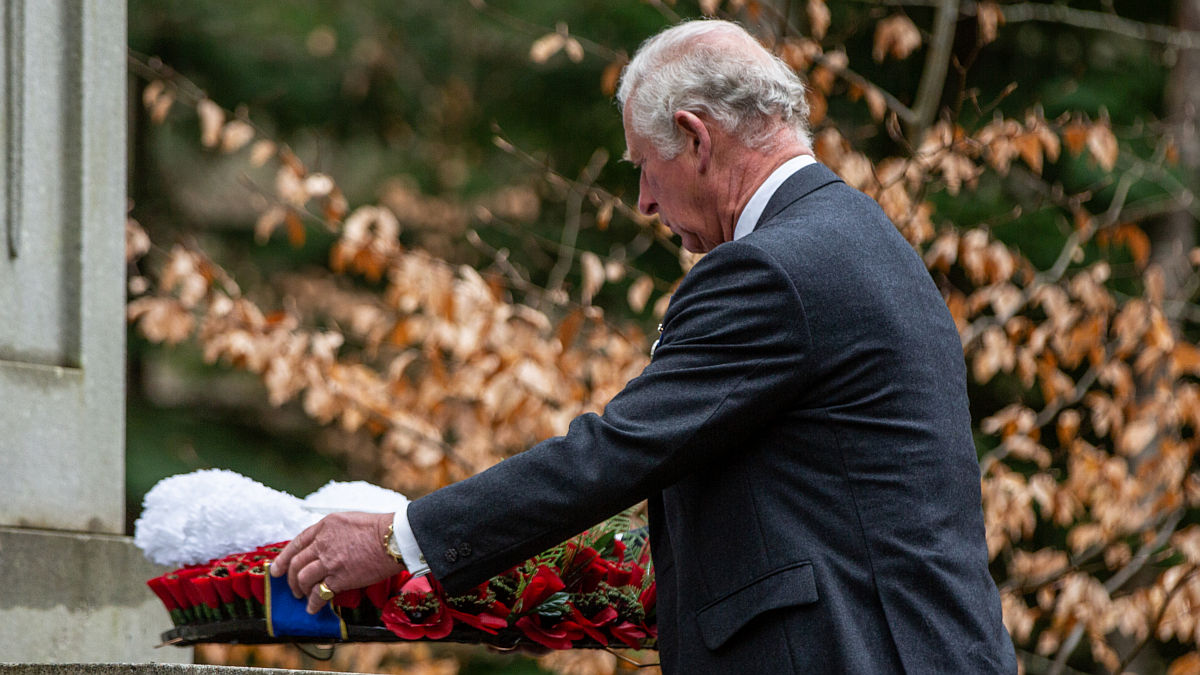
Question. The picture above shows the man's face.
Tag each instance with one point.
(673, 188)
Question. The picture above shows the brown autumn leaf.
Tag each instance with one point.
(1066, 427)
(335, 206)
(1137, 435)
(137, 242)
(235, 135)
(876, 103)
(546, 46)
(999, 139)
(261, 152)
(990, 18)
(612, 75)
(212, 117)
(995, 354)
(1103, 145)
(161, 319)
(593, 276)
(660, 305)
(1130, 236)
(1029, 147)
(836, 61)
(817, 107)
(639, 293)
(1185, 358)
(1075, 135)
(604, 214)
(821, 80)
(161, 107)
(152, 91)
(158, 99)
(1185, 665)
(943, 252)
(267, 222)
(290, 187)
(318, 185)
(1081, 218)
(1051, 145)
(896, 36)
(819, 18)
(573, 49)
(295, 229)
(794, 55)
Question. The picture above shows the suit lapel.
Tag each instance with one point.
(798, 185)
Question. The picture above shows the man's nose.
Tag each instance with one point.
(646, 203)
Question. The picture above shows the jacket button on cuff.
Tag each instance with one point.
(464, 549)
(451, 555)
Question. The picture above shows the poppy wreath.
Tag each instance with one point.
(595, 590)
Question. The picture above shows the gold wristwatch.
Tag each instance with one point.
(387, 546)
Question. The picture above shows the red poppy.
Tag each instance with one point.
(629, 633)
(350, 599)
(584, 557)
(258, 584)
(649, 597)
(541, 586)
(593, 625)
(560, 636)
(618, 577)
(485, 621)
(239, 574)
(161, 588)
(223, 585)
(379, 592)
(417, 612)
(597, 571)
(208, 593)
(480, 610)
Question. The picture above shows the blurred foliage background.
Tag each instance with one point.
(403, 103)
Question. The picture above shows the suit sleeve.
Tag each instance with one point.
(730, 357)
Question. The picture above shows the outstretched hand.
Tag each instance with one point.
(343, 550)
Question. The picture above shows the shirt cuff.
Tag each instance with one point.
(404, 541)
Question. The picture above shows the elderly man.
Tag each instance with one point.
(801, 433)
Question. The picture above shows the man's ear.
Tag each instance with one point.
(699, 142)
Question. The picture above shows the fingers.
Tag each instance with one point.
(312, 574)
(343, 545)
(315, 602)
(302, 561)
(280, 565)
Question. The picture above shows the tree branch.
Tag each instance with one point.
(1070, 16)
(566, 251)
(1102, 21)
(1162, 611)
(937, 64)
(1116, 582)
(894, 104)
(523, 26)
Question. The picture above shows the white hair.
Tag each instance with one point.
(735, 82)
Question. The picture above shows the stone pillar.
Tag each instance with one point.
(73, 587)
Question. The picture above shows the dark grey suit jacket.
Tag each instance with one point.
(803, 439)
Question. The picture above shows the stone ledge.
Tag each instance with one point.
(73, 597)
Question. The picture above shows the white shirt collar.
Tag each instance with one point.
(748, 220)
